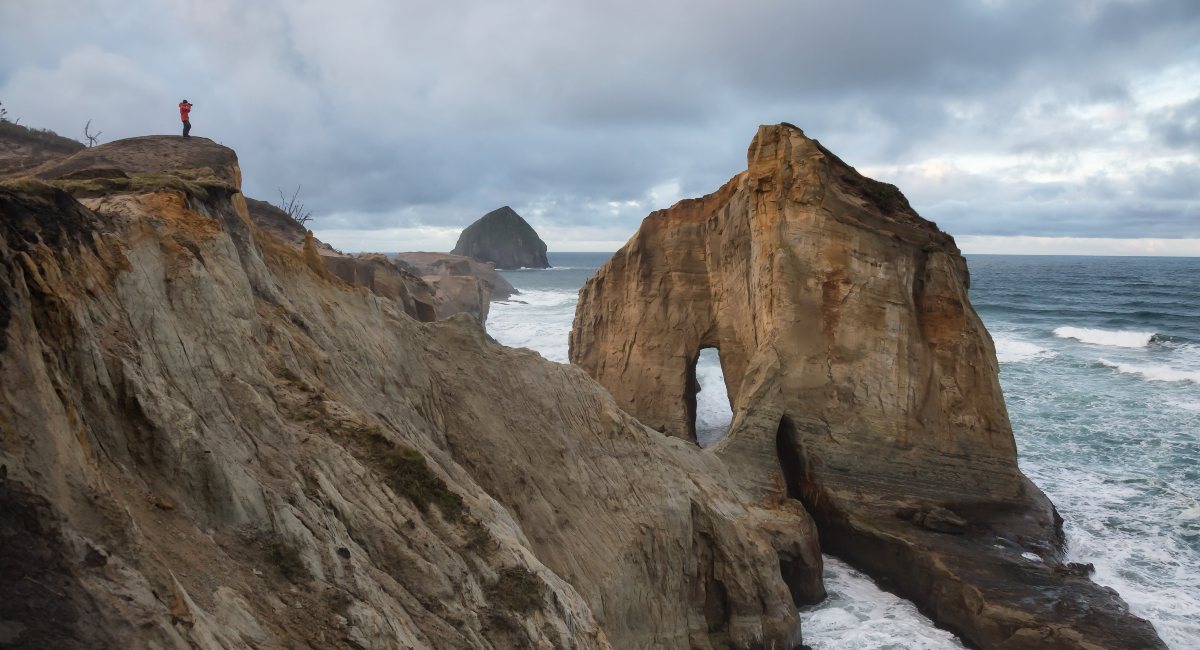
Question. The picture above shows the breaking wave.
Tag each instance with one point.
(1016, 351)
(1154, 373)
(1113, 338)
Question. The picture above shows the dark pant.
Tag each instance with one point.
(187, 127)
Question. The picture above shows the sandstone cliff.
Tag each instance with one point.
(863, 385)
(431, 286)
(462, 283)
(209, 440)
(505, 239)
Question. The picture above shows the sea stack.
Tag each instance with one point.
(505, 239)
(864, 388)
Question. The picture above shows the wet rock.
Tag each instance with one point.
(943, 521)
(1081, 569)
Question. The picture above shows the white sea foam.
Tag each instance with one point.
(1113, 338)
(1154, 373)
(857, 614)
(1010, 350)
(535, 319)
(1144, 565)
(1134, 531)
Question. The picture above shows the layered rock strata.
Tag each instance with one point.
(503, 238)
(863, 385)
(209, 440)
(463, 283)
(370, 270)
(431, 286)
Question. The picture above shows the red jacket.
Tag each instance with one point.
(184, 109)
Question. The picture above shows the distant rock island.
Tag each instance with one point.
(505, 239)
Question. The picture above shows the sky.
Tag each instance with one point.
(1019, 126)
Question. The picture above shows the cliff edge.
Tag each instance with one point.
(864, 387)
(208, 440)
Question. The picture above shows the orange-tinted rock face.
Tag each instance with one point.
(862, 383)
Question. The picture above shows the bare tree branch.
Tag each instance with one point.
(293, 207)
(90, 137)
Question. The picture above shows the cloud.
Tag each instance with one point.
(996, 118)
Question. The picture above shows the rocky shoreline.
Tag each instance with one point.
(216, 432)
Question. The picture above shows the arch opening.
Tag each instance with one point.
(709, 409)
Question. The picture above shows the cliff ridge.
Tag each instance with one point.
(208, 439)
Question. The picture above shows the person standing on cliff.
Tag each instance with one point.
(184, 110)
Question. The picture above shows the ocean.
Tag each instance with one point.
(1100, 365)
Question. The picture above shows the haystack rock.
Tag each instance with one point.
(864, 387)
(503, 238)
(208, 440)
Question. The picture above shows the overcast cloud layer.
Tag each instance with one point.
(1016, 125)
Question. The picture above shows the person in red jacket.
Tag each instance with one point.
(184, 109)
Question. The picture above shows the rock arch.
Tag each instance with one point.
(861, 379)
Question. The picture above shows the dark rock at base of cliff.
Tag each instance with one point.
(505, 239)
(42, 603)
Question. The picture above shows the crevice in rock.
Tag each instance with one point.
(799, 575)
(787, 446)
(425, 312)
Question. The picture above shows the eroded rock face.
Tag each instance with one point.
(208, 440)
(462, 283)
(863, 385)
(503, 238)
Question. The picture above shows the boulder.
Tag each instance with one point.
(505, 239)
(862, 383)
